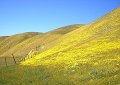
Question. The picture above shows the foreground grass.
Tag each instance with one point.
(79, 73)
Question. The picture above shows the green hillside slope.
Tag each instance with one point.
(89, 55)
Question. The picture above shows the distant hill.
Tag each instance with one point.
(12, 41)
(2, 38)
(22, 44)
(66, 29)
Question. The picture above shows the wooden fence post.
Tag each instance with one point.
(6, 61)
(36, 48)
(24, 58)
(14, 58)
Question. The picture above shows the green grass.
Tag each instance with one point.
(89, 55)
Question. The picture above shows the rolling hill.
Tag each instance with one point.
(38, 41)
(89, 55)
(11, 41)
(2, 38)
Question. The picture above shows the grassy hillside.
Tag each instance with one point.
(89, 55)
(64, 30)
(11, 41)
(2, 38)
(41, 42)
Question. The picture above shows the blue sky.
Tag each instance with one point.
(18, 16)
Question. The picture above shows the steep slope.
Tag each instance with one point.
(102, 32)
(11, 41)
(39, 41)
(89, 55)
